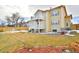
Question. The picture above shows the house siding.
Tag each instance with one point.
(50, 20)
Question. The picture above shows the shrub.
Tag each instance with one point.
(1, 30)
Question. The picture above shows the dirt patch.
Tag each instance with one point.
(48, 49)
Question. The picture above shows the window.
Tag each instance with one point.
(55, 13)
(36, 30)
(41, 30)
(54, 30)
(37, 21)
(66, 24)
(55, 22)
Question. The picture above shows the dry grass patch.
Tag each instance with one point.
(13, 41)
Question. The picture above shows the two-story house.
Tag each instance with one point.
(52, 20)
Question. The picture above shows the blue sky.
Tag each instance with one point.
(75, 20)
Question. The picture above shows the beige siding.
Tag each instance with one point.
(62, 20)
(49, 22)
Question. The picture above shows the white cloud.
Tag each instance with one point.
(7, 10)
(71, 9)
(10, 6)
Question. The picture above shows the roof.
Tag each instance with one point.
(28, 21)
(60, 7)
(52, 9)
(39, 10)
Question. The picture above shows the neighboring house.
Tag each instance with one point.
(22, 22)
(75, 26)
(53, 20)
(75, 23)
(2, 23)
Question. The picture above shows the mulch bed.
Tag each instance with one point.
(48, 49)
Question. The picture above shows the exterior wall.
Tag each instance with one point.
(44, 15)
(48, 21)
(38, 15)
(55, 20)
(41, 25)
(34, 25)
(68, 21)
(62, 18)
(39, 21)
(58, 19)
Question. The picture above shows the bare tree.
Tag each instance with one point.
(15, 18)
(9, 21)
(22, 22)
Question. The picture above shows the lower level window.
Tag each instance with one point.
(54, 30)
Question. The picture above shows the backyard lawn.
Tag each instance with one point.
(9, 42)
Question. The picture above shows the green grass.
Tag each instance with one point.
(13, 41)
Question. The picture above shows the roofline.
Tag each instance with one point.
(65, 10)
(53, 9)
(60, 7)
(37, 11)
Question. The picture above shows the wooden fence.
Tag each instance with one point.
(2, 29)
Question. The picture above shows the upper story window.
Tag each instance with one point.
(55, 13)
(55, 22)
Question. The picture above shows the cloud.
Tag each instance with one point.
(73, 9)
